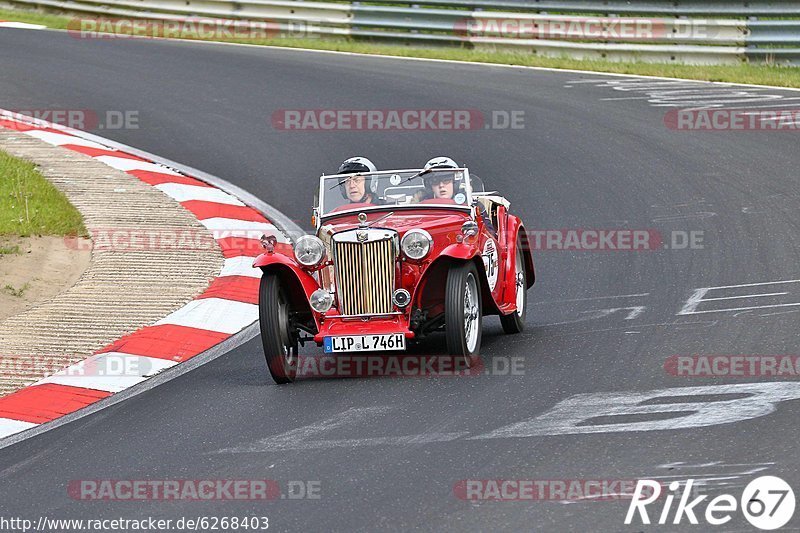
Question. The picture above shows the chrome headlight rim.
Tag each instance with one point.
(321, 301)
(309, 251)
(416, 236)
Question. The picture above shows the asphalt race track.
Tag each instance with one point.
(387, 453)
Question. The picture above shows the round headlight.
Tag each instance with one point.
(321, 300)
(401, 298)
(416, 243)
(309, 250)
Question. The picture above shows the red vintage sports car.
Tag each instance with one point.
(397, 255)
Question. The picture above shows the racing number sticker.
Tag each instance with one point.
(490, 262)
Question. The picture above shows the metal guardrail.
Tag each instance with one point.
(647, 30)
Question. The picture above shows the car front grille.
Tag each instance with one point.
(365, 275)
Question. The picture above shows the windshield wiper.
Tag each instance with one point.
(344, 180)
(387, 215)
(418, 174)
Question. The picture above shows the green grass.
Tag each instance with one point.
(31, 205)
(9, 250)
(17, 293)
(745, 73)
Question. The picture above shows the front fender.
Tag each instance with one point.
(462, 251)
(299, 283)
(433, 279)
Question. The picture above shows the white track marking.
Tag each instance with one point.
(592, 298)
(292, 437)
(21, 25)
(10, 427)
(125, 164)
(60, 139)
(759, 284)
(574, 415)
(596, 314)
(181, 192)
(768, 106)
(240, 266)
(214, 314)
(745, 296)
(401, 440)
(689, 95)
(780, 312)
(624, 98)
(701, 215)
(303, 438)
(681, 464)
(110, 371)
(749, 308)
(699, 297)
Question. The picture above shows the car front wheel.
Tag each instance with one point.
(463, 312)
(277, 337)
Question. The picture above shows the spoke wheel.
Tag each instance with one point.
(277, 337)
(463, 312)
(515, 322)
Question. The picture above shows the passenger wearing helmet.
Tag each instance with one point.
(441, 186)
(357, 189)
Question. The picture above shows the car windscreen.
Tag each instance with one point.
(445, 187)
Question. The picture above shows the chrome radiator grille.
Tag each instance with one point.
(365, 276)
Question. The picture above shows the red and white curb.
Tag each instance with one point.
(227, 306)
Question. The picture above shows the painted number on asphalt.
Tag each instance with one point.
(663, 409)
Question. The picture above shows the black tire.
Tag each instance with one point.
(280, 343)
(455, 315)
(515, 322)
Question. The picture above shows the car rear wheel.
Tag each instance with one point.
(277, 337)
(515, 322)
(463, 312)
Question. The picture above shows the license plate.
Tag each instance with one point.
(365, 343)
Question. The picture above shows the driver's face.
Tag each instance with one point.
(355, 188)
(443, 189)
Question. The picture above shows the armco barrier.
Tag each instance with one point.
(699, 32)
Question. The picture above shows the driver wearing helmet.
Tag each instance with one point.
(357, 189)
(441, 186)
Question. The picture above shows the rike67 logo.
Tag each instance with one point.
(767, 503)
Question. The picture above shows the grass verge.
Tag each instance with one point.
(31, 205)
(17, 293)
(745, 73)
